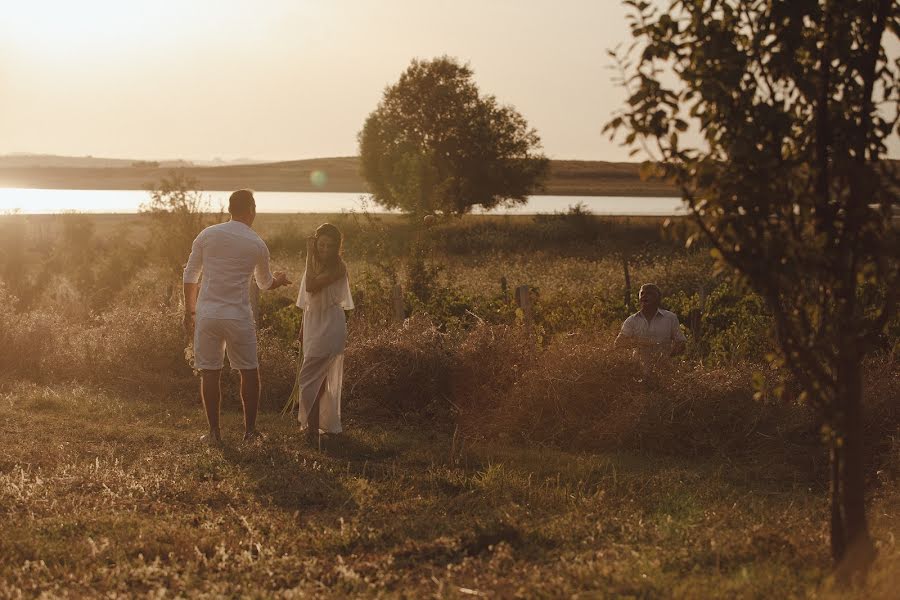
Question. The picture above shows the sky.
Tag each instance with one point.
(288, 79)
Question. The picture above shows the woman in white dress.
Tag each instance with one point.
(324, 296)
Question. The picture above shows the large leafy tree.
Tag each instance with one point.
(435, 144)
(792, 104)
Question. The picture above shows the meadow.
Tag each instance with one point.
(479, 459)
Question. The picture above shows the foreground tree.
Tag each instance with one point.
(434, 144)
(793, 102)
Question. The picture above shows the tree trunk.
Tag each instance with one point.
(852, 547)
(838, 542)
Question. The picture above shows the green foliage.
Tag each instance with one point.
(788, 185)
(736, 327)
(435, 144)
(280, 315)
(793, 104)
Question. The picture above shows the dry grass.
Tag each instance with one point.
(106, 496)
(476, 457)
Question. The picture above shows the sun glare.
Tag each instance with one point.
(111, 29)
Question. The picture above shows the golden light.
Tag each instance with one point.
(107, 29)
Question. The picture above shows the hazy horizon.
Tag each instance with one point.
(288, 80)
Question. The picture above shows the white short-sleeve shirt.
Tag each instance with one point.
(227, 254)
(662, 328)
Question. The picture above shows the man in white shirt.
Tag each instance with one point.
(653, 333)
(217, 311)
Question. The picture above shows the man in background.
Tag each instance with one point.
(652, 333)
(217, 312)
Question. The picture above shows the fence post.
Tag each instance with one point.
(523, 299)
(399, 310)
(628, 304)
(504, 288)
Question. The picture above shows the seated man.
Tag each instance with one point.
(653, 333)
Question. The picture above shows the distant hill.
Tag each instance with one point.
(341, 174)
(55, 161)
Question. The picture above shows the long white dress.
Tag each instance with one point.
(324, 339)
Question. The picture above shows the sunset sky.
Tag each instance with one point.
(287, 79)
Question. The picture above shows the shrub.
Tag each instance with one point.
(399, 372)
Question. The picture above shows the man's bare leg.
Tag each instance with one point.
(211, 393)
(250, 385)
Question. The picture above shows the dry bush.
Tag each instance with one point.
(401, 371)
(128, 345)
(25, 338)
(575, 393)
(579, 393)
(488, 361)
(124, 347)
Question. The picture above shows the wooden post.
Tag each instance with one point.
(523, 299)
(628, 304)
(399, 310)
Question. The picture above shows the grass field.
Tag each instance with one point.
(105, 495)
(476, 461)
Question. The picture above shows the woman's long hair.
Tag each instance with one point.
(329, 230)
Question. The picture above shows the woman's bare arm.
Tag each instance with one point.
(322, 280)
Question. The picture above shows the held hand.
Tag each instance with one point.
(279, 280)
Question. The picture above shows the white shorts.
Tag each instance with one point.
(212, 337)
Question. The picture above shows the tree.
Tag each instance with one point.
(793, 102)
(434, 144)
(179, 212)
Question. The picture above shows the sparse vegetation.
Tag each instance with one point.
(476, 457)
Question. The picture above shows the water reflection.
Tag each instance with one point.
(36, 201)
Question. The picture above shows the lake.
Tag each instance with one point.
(40, 201)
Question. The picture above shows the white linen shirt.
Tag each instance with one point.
(227, 254)
(662, 328)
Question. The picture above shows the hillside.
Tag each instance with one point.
(567, 177)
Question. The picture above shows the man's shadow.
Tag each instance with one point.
(290, 479)
(294, 477)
